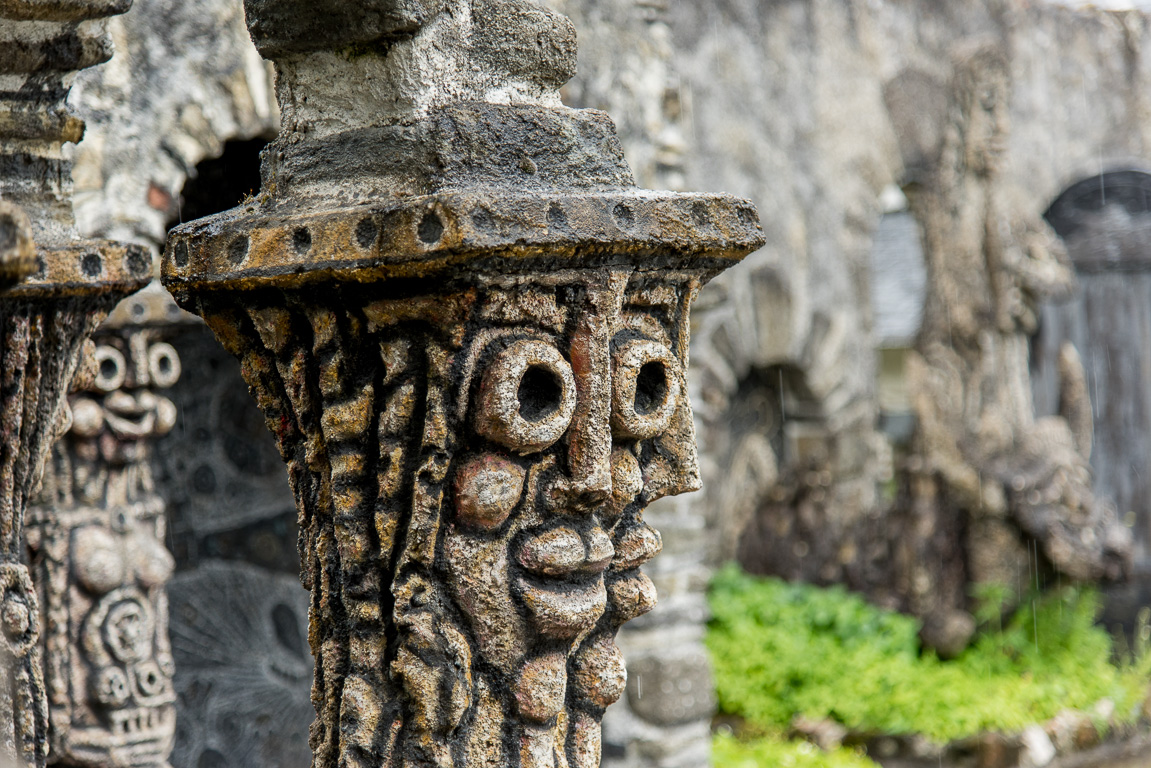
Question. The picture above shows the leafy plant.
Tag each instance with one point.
(768, 752)
(781, 650)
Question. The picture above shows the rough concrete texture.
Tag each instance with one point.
(96, 537)
(44, 320)
(185, 80)
(472, 355)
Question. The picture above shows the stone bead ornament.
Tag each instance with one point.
(59, 287)
(468, 331)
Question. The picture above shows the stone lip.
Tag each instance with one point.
(452, 234)
(86, 268)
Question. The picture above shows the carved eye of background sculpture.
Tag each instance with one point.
(527, 397)
(111, 369)
(163, 365)
(645, 389)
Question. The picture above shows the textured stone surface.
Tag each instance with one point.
(475, 371)
(96, 536)
(166, 102)
(45, 320)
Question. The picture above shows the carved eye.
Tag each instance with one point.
(110, 369)
(527, 397)
(645, 389)
(163, 365)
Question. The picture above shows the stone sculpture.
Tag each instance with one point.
(468, 331)
(96, 537)
(987, 478)
(45, 320)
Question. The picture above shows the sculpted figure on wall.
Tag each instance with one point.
(472, 356)
(96, 538)
(986, 477)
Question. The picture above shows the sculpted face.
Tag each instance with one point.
(120, 409)
(577, 418)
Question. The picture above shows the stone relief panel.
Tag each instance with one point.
(96, 539)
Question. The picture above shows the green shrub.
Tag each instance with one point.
(730, 752)
(782, 650)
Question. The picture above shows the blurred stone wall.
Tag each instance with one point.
(814, 110)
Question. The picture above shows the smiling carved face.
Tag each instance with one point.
(120, 408)
(577, 418)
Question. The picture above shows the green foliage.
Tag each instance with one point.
(730, 752)
(782, 650)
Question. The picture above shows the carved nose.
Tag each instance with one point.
(588, 481)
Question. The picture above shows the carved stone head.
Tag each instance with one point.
(574, 414)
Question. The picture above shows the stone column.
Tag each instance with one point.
(468, 331)
(97, 541)
(45, 320)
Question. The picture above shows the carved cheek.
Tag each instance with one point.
(674, 466)
(626, 481)
(487, 488)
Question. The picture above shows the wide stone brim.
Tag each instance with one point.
(85, 268)
(454, 234)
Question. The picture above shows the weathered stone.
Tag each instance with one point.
(96, 534)
(410, 328)
(44, 320)
(17, 252)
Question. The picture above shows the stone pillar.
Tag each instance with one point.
(97, 541)
(468, 331)
(45, 320)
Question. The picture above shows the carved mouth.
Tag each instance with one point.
(138, 721)
(563, 553)
(562, 609)
(141, 427)
(139, 737)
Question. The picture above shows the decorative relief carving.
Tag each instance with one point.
(96, 539)
(63, 287)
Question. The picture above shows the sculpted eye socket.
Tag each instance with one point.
(645, 389)
(111, 369)
(163, 365)
(527, 397)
